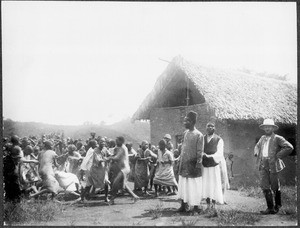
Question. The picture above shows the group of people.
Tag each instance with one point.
(201, 160)
(50, 164)
(194, 171)
(33, 167)
(202, 167)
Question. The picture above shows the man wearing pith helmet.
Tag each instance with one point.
(269, 150)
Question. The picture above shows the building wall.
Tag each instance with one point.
(239, 139)
(170, 121)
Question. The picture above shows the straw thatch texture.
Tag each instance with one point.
(233, 95)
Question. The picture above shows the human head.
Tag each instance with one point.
(79, 145)
(16, 153)
(190, 120)
(167, 137)
(48, 145)
(28, 150)
(268, 126)
(145, 145)
(93, 134)
(75, 142)
(162, 144)
(71, 148)
(176, 153)
(36, 150)
(102, 142)
(15, 140)
(120, 141)
(70, 141)
(25, 142)
(129, 145)
(93, 143)
(112, 143)
(210, 128)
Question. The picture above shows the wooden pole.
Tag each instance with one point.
(187, 92)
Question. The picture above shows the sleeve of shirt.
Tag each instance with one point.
(219, 155)
(133, 152)
(200, 148)
(170, 157)
(257, 147)
(286, 148)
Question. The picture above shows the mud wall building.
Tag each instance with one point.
(238, 102)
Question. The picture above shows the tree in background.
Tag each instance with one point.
(9, 127)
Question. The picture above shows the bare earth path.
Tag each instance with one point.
(126, 213)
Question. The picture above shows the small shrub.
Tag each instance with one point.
(189, 222)
(234, 217)
(138, 223)
(157, 211)
(255, 192)
(289, 201)
(212, 214)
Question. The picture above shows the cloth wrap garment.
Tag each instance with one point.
(142, 172)
(67, 181)
(131, 154)
(121, 163)
(46, 170)
(98, 173)
(164, 174)
(73, 164)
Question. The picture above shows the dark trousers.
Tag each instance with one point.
(268, 180)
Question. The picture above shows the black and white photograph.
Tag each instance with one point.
(149, 113)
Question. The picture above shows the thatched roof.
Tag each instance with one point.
(233, 95)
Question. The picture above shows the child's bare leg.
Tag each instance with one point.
(40, 193)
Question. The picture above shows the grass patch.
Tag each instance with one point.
(255, 192)
(289, 201)
(189, 222)
(24, 212)
(235, 217)
(288, 198)
(157, 211)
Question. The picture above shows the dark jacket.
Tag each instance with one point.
(191, 155)
(279, 148)
(210, 148)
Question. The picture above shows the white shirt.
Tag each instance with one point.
(265, 149)
(87, 160)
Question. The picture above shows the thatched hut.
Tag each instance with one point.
(238, 101)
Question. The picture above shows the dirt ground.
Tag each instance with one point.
(127, 213)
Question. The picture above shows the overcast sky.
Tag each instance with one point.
(71, 62)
